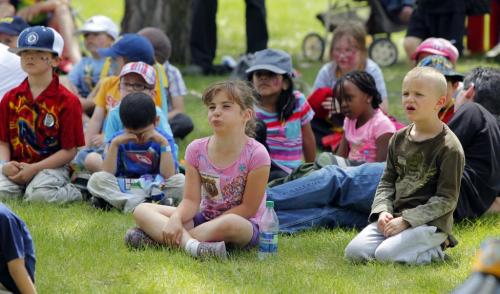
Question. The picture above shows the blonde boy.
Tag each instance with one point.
(412, 213)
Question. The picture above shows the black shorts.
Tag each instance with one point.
(450, 26)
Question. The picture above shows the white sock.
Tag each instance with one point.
(192, 247)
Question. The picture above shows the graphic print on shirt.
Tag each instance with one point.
(211, 186)
(138, 162)
(35, 132)
(220, 193)
(415, 170)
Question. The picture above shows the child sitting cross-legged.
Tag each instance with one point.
(138, 163)
(226, 176)
(40, 124)
(412, 213)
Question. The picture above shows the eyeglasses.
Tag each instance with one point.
(134, 87)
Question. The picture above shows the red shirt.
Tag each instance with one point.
(445, 114)
(36, 129)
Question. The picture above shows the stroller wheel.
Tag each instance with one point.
(313, 47)
(383, 51)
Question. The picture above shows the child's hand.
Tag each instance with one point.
(172, 232)
(26, 173)
(331, 105)
(125, 138)
(97, 140)
(383, 219)
(154, 136)
(395, 226)
(11, 168)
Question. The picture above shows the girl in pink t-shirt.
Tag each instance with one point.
(224, 193)
(367, 129)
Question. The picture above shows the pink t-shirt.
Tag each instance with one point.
(223, 188)
(362, 140)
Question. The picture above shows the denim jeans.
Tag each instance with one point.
(329, 197)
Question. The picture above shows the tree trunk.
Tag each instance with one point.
(172, 16)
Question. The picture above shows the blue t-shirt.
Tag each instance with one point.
(134, 160)
(15, 242)
(86, 74)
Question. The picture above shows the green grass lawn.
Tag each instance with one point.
(81, 250)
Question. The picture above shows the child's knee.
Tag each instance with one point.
(97, 180)
(231, 224)
(141, 210)
(385, 253)
(355, 250)
(93, 162)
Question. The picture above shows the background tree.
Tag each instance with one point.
(172, 16)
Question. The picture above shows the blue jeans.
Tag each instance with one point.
(329, 197)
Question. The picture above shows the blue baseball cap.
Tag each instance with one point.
(39, 38)
(134, 47)
(12, 26)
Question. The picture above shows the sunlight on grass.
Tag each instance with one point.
(81, 250)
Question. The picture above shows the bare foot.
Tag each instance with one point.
(495, 206)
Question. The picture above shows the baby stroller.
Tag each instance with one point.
(370, 12)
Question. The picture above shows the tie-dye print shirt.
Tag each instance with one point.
(223, 188)
(38, 128)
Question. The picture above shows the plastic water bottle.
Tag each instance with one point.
(269, 227)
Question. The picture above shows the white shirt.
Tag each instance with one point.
(11, 73)
(326, 77)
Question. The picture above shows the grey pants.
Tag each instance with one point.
(105, 185)
(419, 245)
(49, 185)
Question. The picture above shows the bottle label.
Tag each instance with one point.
(268, 242)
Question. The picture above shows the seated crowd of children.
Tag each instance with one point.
(117, 115)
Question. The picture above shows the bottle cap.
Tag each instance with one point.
(270, 203)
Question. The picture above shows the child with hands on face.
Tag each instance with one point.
(412, 213)
(226, 177)
(136, 158)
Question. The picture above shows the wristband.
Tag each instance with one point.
(164, 149)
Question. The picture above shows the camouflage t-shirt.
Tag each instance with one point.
(421, 182)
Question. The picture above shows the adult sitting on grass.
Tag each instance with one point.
(138, 163)
(334, 196)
